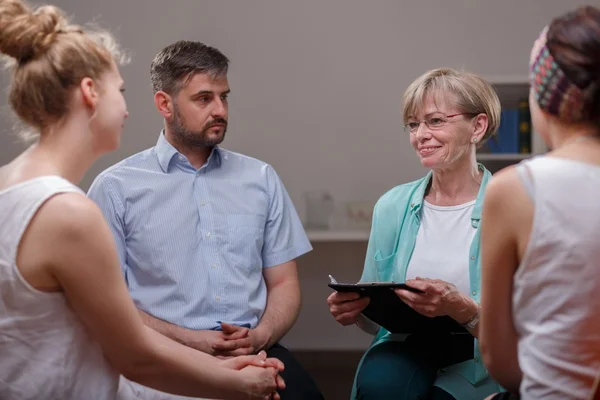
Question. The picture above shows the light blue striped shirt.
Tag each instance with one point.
(193, 243)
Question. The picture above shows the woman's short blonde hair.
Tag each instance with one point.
(472, 95)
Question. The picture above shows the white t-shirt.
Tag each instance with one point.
(443, 244)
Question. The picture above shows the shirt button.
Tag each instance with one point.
(472, 257)
(476, 359)
(474, 292)
(203, 204)
(214, 265)
(208, 234)
(218, 298)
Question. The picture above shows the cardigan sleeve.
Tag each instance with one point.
(369, 273)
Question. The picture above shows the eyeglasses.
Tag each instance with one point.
(432, 123)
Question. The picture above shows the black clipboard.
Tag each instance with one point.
(387, 310)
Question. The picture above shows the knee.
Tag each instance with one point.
(388, 371)
(375, 388)
(374, 383)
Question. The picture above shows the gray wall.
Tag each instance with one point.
(316, 90)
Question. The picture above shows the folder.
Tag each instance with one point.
(387, 310)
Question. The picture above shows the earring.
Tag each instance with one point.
(475, 140)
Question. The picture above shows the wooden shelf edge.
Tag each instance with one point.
(338, 236)
(503, 156)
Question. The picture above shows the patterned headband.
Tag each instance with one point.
(554, 92)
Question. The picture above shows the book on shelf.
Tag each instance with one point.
(514, 132)
(524, 127)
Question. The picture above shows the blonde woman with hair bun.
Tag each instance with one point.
(68, 326)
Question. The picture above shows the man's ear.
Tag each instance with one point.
(164, 104)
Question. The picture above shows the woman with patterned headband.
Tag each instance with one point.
(540, 324)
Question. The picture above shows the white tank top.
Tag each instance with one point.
(45, 352)
(443, 244)
(556, 293)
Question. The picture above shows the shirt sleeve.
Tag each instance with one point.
(284, 237)
(105, 194)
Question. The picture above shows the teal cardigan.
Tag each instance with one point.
(396, 221)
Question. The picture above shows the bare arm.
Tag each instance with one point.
(283, 302)
(498, 338)
(202, 340)
(79, 251)
(175, 332)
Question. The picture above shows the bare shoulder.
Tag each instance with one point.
(504, 188)
(70, 216)
(508, 207)
(67, 230)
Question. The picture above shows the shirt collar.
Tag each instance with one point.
(165, 153)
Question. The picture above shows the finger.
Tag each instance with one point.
(280, 382)
(415, 299)
(229, 328)
(348, 318)
(340, 297)
(419, 284)
(244, 361)
(229, 345)
(350, 306)
(408, 296)
(257, 360)
(242, 351)
(275, 363)
(239, 334)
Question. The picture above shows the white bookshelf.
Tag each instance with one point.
(502, 157)
(510, 89)
(338, 236)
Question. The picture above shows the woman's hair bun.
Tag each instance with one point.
(26, 34)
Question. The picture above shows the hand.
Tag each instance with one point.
(439, 298)
(260, 360)
(345, 307)
(205, 340)
(238, 341)
(257, 360)
(258, 383)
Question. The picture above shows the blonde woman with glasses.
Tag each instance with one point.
(426, 233)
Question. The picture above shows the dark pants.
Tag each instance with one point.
(407, 370)
(298, 383)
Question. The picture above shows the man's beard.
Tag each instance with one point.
(195, 139)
